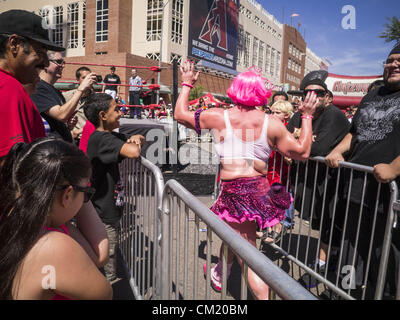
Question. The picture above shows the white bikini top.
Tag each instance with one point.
(235, 148)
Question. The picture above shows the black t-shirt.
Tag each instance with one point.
(104, 152)
(46, 97)
(376, 129)
(112, 79)
(376, 137)
(328, 130)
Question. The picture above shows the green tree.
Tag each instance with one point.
(196, 92)
(392, 32)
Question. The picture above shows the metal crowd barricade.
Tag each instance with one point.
(163, 232)
(140, 226)
(300, 244)
(189, 230)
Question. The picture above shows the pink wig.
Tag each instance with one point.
(248, 89)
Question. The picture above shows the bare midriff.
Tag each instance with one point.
(242, 168)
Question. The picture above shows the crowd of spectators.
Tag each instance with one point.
(75, 200)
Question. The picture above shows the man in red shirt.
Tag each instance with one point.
(23, 53)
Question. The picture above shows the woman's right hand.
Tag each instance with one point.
(188, 74)
(310, 103)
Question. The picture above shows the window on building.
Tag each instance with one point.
(272, 69)
(153, 56)
(176, 57)
(267, 59)
(246, 60)
(249, 15)
(57, 28)
(254, 61)
(290, 48)
(84, 25)
(101, 20)
(58, 34)
(278, 63)
(177, 21)
(290, 64)
(73, 21)
(261, 50)
(240, 46)
(154, 19)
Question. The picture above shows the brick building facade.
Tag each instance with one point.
(293, 57)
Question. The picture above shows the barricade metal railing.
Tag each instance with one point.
(189, 230)
(140, 226)
(326, 216)
(164, 231)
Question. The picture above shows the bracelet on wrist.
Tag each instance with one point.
(187, 85)
(307, 117)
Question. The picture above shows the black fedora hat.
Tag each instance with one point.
(317, 77)
(28, 25)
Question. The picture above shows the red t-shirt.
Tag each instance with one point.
(20, 121)
(281, 168)
(87, 131)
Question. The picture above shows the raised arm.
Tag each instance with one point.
(182, 113)
(65, 112)
(336, 155)
(286, 144)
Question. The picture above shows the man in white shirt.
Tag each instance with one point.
(135, 88)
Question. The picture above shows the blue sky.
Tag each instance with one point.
(351, 52)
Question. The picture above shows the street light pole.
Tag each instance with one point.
(161, 46)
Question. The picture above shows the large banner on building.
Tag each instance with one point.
(213, 31)
(349, 90)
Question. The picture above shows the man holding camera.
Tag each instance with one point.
(80, 75)
(51, 103)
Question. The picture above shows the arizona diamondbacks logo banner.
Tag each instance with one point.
(213, 31)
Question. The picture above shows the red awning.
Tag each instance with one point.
(344, 102)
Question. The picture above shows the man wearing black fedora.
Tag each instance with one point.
(23, 54)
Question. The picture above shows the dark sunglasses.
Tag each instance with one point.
(319, 92)
(390, 61)
(59, 62)
(88, 191)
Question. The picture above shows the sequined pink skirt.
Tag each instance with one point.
(251, 199)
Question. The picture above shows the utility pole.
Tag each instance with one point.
(174, 139)
(161, 49)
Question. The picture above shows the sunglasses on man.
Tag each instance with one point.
(59, 62)
(88, 191)
(319, 92)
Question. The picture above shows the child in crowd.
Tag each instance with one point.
(43, 256)
(106, 149)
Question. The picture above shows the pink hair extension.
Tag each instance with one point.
(249, 89)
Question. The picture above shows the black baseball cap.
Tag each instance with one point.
(28, 25)
(317, 77)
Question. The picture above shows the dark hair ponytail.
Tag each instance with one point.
(28, 179)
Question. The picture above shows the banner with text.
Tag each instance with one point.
(213, 31)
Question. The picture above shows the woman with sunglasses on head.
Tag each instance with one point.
(43, 256)
(244, 139)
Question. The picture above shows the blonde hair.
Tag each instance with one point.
(284, 106)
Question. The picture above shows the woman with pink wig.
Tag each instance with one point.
(244, 139)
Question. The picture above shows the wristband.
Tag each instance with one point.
(187, 85)
(307, 117)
